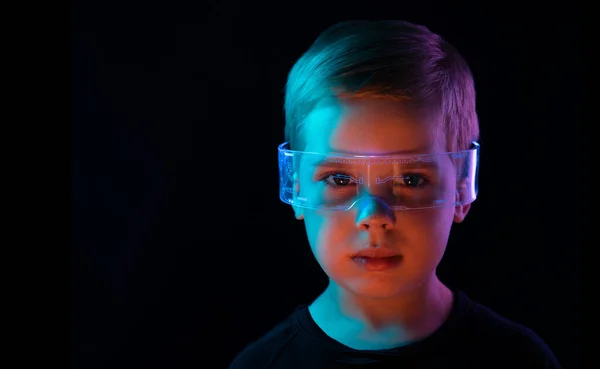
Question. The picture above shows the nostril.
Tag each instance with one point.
(373, 213)
(375, 223)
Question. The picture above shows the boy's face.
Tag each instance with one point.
(419, 237)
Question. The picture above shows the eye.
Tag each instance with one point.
(411, 180)
(339, 180)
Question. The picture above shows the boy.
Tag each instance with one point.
(381, 159)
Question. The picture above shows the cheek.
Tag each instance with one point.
(439, 222)
(329, 235)
(429, 230)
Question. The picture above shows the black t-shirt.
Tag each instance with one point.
(473, 336)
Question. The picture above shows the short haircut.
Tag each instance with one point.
(395, 60)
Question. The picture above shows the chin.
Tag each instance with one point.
(377, 288)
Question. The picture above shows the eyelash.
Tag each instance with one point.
(326, 176)
(421, 176)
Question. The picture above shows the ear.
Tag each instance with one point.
(298, 211)
(460, 212)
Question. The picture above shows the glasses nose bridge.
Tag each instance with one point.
(377, 174)
(374, 183)
(373, 186)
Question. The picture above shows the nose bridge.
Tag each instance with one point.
(371, 183)
(372, 211)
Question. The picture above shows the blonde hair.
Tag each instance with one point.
(395, 60)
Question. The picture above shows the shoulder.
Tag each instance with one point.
(497, 336)
(260, 352)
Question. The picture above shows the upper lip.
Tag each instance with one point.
(375, 253)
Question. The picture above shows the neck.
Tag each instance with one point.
(362, 322)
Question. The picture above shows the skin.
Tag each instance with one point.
(377, 309)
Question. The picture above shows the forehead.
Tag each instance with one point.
(369, 127)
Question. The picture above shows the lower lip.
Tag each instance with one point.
(378, 264)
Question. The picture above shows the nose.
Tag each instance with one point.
(374, 214)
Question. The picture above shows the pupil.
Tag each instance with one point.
(340, 181)
(410, 180)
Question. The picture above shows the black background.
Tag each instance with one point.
(181, 249)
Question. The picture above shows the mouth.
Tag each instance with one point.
(378, 263)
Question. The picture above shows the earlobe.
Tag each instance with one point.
(298, 213)
(460, 212)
